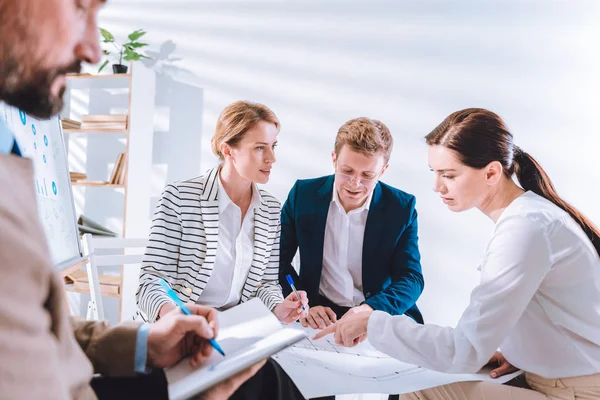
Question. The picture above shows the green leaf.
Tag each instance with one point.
(103, 65)
(108, 37)
(137, 45)
(131, 57)
(135, 35)
(106, 52)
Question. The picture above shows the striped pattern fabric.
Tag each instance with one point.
(183, 245)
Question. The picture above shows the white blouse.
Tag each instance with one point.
(538, 301)
(235, 249)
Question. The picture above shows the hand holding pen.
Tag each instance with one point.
(176, 336)
(184, 309)
(294, 307)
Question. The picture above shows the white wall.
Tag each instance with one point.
(409, 64)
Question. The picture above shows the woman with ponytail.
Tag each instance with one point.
(539, 296)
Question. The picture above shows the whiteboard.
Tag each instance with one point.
(42, 141)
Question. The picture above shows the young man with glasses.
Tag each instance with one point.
(357, 236)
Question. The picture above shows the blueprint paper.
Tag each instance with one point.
(322, 368)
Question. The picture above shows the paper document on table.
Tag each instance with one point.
(248, 333)
(327, 343)
(322, 368)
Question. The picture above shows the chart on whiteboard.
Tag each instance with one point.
(42, 142)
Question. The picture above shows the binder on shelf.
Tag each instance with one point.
(121, 177)
(87, 225)
(115, 172)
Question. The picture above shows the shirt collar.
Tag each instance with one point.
(225, 201)
(335, 199)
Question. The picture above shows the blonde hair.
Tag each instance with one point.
(366, 136)
(236, 119)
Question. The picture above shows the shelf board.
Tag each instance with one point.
(96, 183)
(100, 130)
(105, 290)
(90, 76)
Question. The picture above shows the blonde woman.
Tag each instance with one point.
(215, 238)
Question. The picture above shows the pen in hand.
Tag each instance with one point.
(171, 293)
(291, 282)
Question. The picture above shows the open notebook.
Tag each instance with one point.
(248, 333)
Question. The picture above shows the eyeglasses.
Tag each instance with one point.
(359, 181)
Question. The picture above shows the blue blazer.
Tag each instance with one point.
(391, 262)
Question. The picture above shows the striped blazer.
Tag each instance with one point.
(183, 246)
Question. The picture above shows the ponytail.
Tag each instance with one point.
(480, 136)
(532, 177)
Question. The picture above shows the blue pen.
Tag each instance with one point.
(291, 282)
(171, 293)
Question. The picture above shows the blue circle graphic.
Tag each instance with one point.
(33, 129)
(35, 145)
(45, 140)
(44, 157)
(23, 117)
(54, 189)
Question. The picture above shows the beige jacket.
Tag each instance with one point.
(44, 354)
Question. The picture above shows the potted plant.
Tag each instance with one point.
(126, 52)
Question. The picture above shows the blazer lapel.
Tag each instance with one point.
(209, 201)
(320, 211)
(373, 230)
(259, 258)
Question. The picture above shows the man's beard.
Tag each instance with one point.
(33, 95)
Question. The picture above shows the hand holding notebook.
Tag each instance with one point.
(248, 334)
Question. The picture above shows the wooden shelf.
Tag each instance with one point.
(69, 130)
(77, 281)
(105, 290)
(90, 76)
(94, 183)
(117, 87)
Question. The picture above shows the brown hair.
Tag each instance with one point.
(236, 119)
(366, 136)
(479, 136)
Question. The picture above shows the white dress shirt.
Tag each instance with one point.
(341, 277)
(538, 301)
(7, 139)
(235, 249)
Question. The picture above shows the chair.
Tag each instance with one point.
(123, 286)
